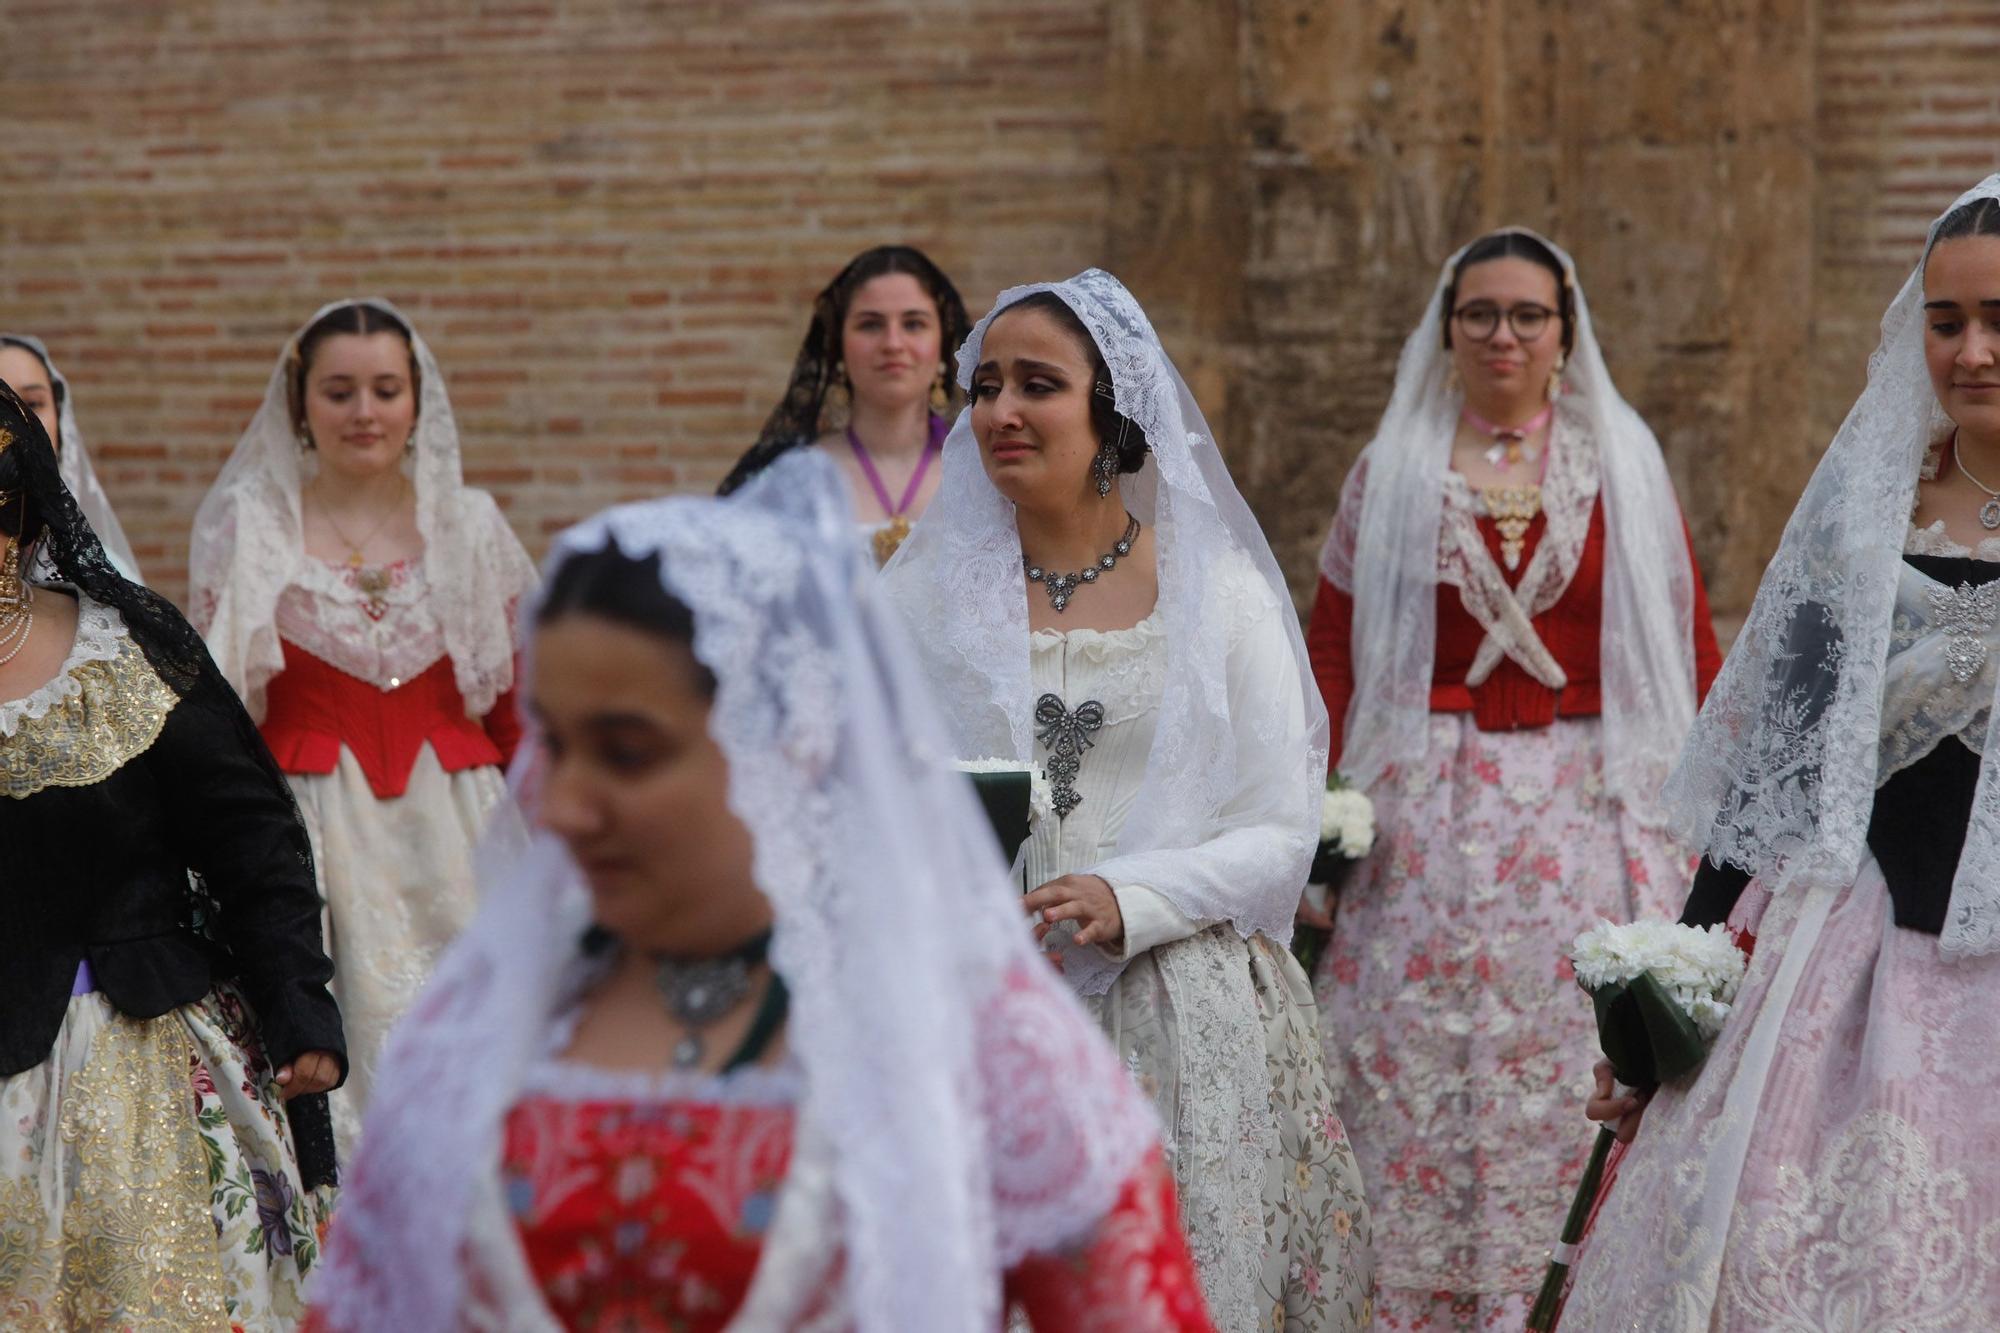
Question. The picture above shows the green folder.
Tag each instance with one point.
(1006, 798)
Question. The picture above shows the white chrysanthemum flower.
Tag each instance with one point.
(1347, 819)
(1701, 967)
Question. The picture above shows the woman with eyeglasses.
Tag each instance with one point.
(1512, 638)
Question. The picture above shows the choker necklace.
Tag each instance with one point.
(1989, 513)
(700, 991)
(1507, 440)
(1060, 586)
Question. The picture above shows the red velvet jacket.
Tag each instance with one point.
(312, 708)
(1509, 699)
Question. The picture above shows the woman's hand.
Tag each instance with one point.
(315, 1071)
(1315, 909)
(1620, 1111)
(1084, 899)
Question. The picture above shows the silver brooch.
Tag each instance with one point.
(1966, 614)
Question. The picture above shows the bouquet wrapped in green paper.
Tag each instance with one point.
(1661, 992)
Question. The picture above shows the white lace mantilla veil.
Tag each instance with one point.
(249, 543)
(961, 1103)
(958, 581)
(1779, 775)
(73, 459)
(1391, 511)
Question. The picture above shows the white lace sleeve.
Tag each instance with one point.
(1150, 920)
(1257, 834)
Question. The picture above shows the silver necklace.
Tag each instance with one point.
(1989, 513)
(1061, 586)
(700, 991)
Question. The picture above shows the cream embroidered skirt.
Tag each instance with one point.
(148, 1179)
(1220, 1032)
(398, 880)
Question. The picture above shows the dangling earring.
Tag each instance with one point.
(1556, 378)
(1451, 384)
(940, 400)
(1105, 466)
(834, 407)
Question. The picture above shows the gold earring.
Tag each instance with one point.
(834, 406)
(940, 400)
(1556, 378)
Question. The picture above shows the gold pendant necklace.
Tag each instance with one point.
(1512, 509)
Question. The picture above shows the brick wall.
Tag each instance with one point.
(608, 218)
(1909, 117)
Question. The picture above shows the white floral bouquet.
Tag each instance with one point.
(1015, 796)
(1346, 834)
(1662, 992)
(1346, 821)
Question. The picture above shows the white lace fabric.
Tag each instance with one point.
(73, 461)
(958, 583)
(1779, 775)
(100, 631)
(1398, 532)
(385, 637)
(1465, 561)
(958, 1107)
(249, 544)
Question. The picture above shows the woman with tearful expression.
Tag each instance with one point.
(1090, 593)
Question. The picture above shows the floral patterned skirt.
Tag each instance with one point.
(1834, 1166)
(1459, 1045)
(1220, 1031)
(147, 1178)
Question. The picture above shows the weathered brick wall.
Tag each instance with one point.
(1909, 116)
(608, 217)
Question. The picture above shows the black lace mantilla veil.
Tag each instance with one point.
(70, 548)
(796, 420)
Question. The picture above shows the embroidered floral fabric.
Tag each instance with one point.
(378, 625)
(1458, 1044)
(959, 1110)
(147, 1178)
(104, 707)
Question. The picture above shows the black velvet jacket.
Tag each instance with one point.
(1918, 822)
(99, 829)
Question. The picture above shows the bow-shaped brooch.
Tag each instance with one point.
(1067, 734)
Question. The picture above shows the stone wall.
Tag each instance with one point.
(609, 215)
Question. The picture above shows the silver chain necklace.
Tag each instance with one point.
(700, 991)
(1989, 513)
(1062, 586)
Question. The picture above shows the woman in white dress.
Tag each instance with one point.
(25, 365)
(1089, 591)
(361, 598)
(1834, 1165)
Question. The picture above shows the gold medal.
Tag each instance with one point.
(889, 537)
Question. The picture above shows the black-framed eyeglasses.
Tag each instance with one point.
(1480, 320)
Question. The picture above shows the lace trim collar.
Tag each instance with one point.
(571, 1081)
(1933, 540)
(99, 632)
(1130, 639)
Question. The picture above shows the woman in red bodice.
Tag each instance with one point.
(750, 1034)
(1511, 636)
(360, 597)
